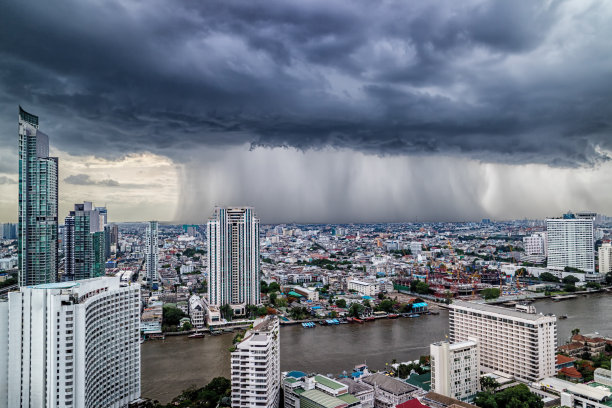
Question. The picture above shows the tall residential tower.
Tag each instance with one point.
(37, 227)
(152, 252)
(84, 243)
(570, 242)
(233, 258)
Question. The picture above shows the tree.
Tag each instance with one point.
(355, 310)
(403, 371)
(273, 297)
(187, 326)
(263, 287)
(341, 303)
(366, 303)
(274, 287)
(171, 315)
(298, 313)
(609, 278)
(518, 396)
(422, 288)
(281, 302)
(488, 383)
(490, 293)
(226, 312)
(570, 280)
(569, 288)
(575, 331)
(386, 306)
(548, 277)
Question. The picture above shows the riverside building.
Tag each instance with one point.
(37, 227)
(513, 342)
(570, 242)
(233, 258)
(605, 258)
(255, 366)
(152, 252)
(71, 344)
(455, 369)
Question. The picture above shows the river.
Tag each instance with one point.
(174, 364)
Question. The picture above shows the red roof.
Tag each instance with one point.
(571, 372)
(412, 403)
(561, 359)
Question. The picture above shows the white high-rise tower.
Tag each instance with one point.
(233, 258)
(152, 252)
(570, 242)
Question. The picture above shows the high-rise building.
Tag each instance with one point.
(9, 231)
(570, 242)
(37, 228)
(83, 243)
(455, 369)
(152, 252)
(535, 244)
(255, 366)
(605, 258)
(233, 258)
(516, 343)
(71, 344)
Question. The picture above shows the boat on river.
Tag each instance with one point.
(196, 336)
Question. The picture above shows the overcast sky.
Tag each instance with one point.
(314, 111)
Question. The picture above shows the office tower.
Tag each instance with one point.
(570, 242)
(103, 214)
(71, 344)
(37, 227)
(455, 369)
(255, 366)
(233, 258)
(151, 252)
(9, 231)
(513, 342)
(605, 258)
(114, 237)
(106, 245)
(83, 243)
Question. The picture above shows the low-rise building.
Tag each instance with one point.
(389, 391)
(365, 288)
(197, 312)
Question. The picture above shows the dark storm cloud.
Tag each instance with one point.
(515, 82)
(86, 180)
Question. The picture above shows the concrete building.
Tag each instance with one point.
(603, 376)
(152, 252)
(72, 344)
(84, 252)
(389, 391)
(605, 258)
(233, 258)
(365, 288)
(594, 395)
(197, 312)
(455, 369)
(535, 244)
(37, 227)
(509, 341)
(362, 391)
(255, 366)
(570, 242)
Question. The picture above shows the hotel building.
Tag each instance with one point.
(71, 344)
(513, 342)
(255, 366)
(233, 258)
(455, 369)
(570, 242)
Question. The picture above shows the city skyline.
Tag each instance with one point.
(318, 112)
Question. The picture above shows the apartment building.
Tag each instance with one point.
(513, 342)
(455, 369)
(365, 288)
(255, 366)
(72, 344)
(302, 391)
(571, 242)
(152, 252)
(605, 258)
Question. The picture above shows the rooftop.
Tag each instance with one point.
(323, 399)
(328, 382)
(498, 310)
(389, 384)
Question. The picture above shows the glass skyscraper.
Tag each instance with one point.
(37, 227)
(84, 243)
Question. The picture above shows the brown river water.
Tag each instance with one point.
(174, 364)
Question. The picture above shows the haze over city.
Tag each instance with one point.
(314, 111)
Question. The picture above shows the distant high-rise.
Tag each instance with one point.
(71, 344)
(9, 231)
(605, 258)
(83, 243)
(570, 242)
(233, 258)
(37, 227)
(152, 252)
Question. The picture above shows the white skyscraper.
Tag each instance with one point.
(72, 344)
(570, 242)
(255, 366)
(605, 258)
(152, 252)
(233, 258)
(455, 369)
(513, 342)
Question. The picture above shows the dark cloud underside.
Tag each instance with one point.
(513, 82)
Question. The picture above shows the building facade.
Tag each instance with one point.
(455, 369)
(71, 344)
(570, 242)
(255, 366)
(365, 288)
(152, 252)
(605, 258)
(233, 258)
(37, 226)
(84, 255)
(513, 342)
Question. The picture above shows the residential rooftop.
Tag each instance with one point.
(498, 310)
